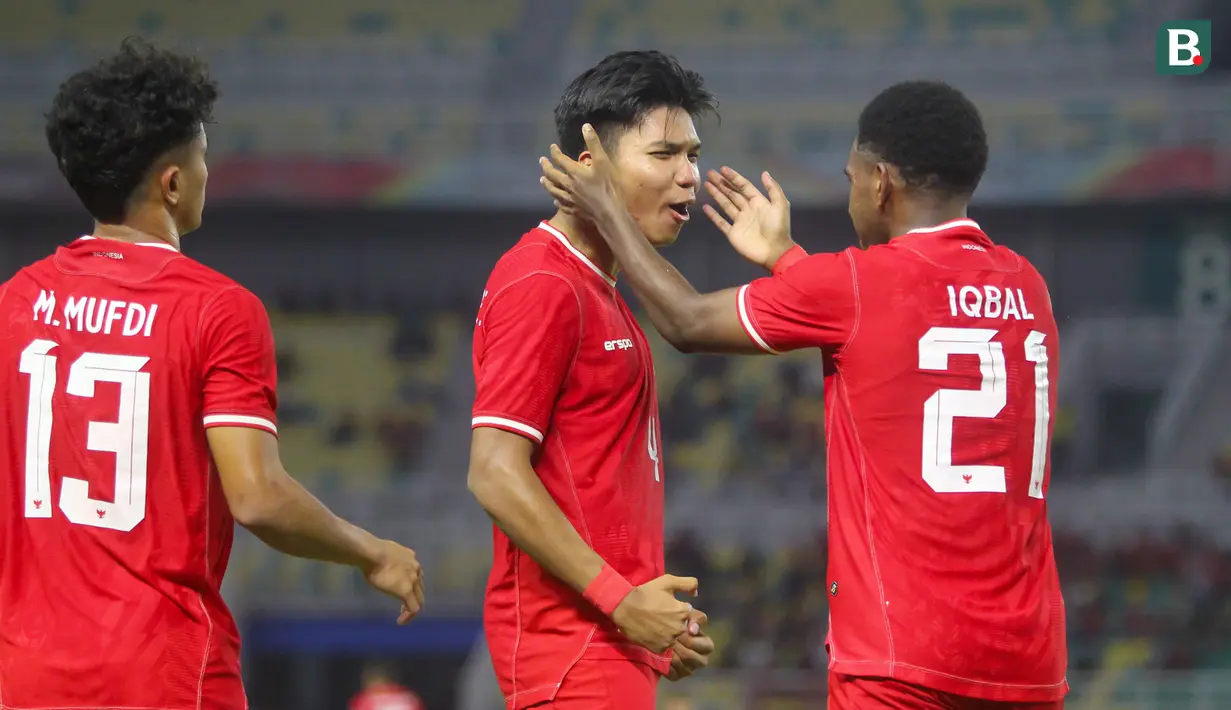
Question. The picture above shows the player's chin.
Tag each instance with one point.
(665, 234)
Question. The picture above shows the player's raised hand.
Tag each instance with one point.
(759, 227)
(652, 617)
(691, 651)
(398, 574)
(583, 190)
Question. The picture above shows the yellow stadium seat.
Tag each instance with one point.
(344, 368)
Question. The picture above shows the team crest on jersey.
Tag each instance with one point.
(833, 589)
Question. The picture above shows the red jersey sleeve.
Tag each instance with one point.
(814, 303)
(529, 333)
(240, 375)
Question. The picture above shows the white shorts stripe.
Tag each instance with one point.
(508, 424)
(747, 322)
(239, 420)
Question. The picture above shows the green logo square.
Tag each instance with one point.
(1182, 48)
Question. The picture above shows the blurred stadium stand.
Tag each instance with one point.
(426, 102)
(372, 159)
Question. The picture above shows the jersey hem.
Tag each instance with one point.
(595, 651)
(983, 690)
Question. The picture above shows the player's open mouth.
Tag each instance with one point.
(681, 211)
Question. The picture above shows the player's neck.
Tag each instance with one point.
(585, 238)
(137, 234)
(921, 216)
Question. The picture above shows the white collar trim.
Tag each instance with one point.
(947, 225)
(156, 245)
(576, 252)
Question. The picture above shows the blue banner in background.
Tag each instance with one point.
(365, 635)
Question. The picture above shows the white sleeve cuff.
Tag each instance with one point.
(508, 425)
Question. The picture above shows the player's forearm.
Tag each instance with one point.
(669, 299)
(523, 509)
(291, 520)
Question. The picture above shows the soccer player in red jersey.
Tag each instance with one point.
(566, 453)
(138, 423)
(940, 359)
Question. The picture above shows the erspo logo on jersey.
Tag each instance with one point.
(1182, 48)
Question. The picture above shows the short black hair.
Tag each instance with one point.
(619, 91)
(110, 123)
(931, 132)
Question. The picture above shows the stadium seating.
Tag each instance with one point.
(679, 24)
(101, 23)
(604, 23)
(731, 419)
(354, 389)
(386, 130)
(347, 382)
(675, 23)
(404, 83)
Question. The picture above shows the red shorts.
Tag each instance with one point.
(594, 684)
(855, 693)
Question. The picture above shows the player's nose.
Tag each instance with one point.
(689, 177)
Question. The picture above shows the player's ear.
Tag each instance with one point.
(170, 180)
(586, 157)
(882, 182)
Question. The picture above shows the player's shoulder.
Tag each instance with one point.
(30, 282)
(4, 285)
(822, 266)
(210, 286)
(537, 263)
(38, 271)
(1026, 267)
(193, 274)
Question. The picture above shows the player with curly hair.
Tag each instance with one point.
(139, 422)
(940, 356)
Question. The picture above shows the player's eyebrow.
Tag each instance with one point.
(674, 147)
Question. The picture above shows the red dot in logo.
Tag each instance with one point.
(1197, 60)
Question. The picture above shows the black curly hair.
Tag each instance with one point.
(619, 91)
(931, 132)
(110, 123)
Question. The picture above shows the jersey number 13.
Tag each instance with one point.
(127, 437)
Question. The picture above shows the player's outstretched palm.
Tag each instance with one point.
(759, 227)
(651, 616)
(585, 191)
(399, 575)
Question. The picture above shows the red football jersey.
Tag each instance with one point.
(940, 354)
(559, 358)
(114, 531)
